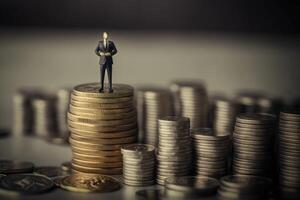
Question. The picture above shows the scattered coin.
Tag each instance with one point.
(13, 167)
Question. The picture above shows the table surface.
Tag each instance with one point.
(42, 153)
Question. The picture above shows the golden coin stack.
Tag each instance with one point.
(100, 123)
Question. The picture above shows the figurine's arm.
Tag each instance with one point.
(114, 49)
(97, 50)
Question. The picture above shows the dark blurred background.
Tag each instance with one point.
(231, 45)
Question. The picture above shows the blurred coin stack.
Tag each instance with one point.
(152, 104)
(45, 125)
(211, 152)
(248, 101)
(225, 112)
(191, 102)
(174, 153)
(289, 155)
(244, 187)
(63, 100)
(138, 164)
(253, 139)
(100, 123)
(22, 112)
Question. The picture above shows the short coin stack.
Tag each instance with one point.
(100, 123)
(174, 148)
(138, 164)
(244, 187)
(192, 102)
(253, 139)
(225, 112)
(152, 104)
(211, 152)
(289, 154)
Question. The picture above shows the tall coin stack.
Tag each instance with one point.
(253, 139)
(152, 103)
(192, 102)
(174, 148)
(211, 152)
(289, 154)
(100, 123)
(138, 164)
(225, 112)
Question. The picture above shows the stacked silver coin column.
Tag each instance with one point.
(211, 152)
(138, 164)
(174, 148)
(253, 139)
(153, 103)
(192, 102)
(225, 112)
(289, 155)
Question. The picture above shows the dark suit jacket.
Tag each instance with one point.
(110, 48)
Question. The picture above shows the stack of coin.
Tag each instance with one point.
(190, 187)
(138, 164)
(211, 152)
(248, 101)
(44, 110)
(192, 102)
(174, 148)
(22, 112)
(100, 123)
(63, 100)
(244, 187)
(153, 103)
(253, 139)
(225, 112)
(289, 154)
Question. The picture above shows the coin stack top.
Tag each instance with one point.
(138, 164)
(289, 154)
(100, 123)
(174, 148)
(211, 151)
(253, 139)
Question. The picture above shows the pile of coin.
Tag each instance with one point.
(152, 104)
(191, 102)
(253, 140)
(289, 154)
(45, 125)
(22, 112)
(138, 164)
(211, 151)
(174, 148)
(190, 187)
(244, 187)
(100, 123)
(63, 100)
(225, 112)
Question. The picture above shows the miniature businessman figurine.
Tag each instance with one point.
(106, 49)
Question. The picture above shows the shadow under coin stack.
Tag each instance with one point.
(253, 139)
(100, 123)
(289, 155)
(138, 164)
(192, 102)
(211, 152)
(152, 103)
(174, 148)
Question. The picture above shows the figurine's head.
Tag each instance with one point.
(105, 35)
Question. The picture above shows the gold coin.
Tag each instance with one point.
(124, 140)
(100, 116)
(99, 158)
(90, 183)
(77, 143)
(92, 170)
(96, 127)
(74, 109)
(100, 100)
(96, 163)
(81, 104)
(92, 90)
(99, 134)
(96, 152)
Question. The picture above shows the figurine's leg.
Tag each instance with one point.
(102, 73)
(109, 73)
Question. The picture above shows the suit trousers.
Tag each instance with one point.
(108, 68)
